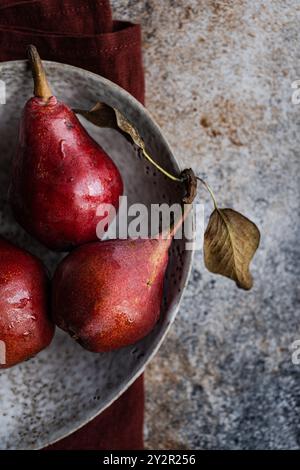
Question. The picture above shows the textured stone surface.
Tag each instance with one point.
(219, 77)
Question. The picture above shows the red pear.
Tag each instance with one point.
(107, 295)
(60, 174)
(25, 327)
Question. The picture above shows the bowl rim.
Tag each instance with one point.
(173, 310)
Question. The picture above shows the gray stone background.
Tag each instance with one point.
(219, 77)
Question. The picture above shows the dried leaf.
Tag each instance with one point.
(129, 129)
(230, 242)
(101, 115)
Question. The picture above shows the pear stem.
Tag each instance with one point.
(162, 170)
(41, 85)
(190, 181)
(209, 190)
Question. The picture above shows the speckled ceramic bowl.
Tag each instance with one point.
(64, 387)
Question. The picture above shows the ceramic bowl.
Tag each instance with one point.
(63, 387)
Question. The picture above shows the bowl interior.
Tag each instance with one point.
(59, 390)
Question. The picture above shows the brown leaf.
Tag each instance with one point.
(103, 115)
(129, 129)
(230, 242)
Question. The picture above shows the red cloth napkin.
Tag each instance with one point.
(76, 32)
(82, 33)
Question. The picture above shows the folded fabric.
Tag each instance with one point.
(82, 33)
(69, 16)
(120, 427)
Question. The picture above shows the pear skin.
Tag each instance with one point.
(25, 324)
(108, 295)
(60, 174)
